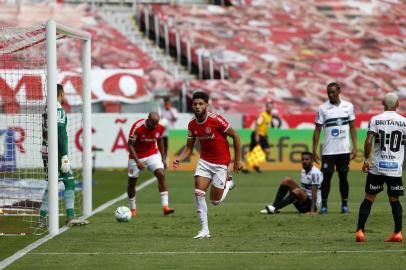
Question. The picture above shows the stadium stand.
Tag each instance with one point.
(111, 50)
(288, 51)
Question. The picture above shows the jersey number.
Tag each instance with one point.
(392, 139)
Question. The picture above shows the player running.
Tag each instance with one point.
(211, 130)
(143, 144)
(388, 131)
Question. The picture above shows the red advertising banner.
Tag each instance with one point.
(27, 87)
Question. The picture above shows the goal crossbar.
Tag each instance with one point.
(71, 32)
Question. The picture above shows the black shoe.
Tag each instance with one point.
(257, 169)
(245, 171)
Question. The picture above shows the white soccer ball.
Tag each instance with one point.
(122, 214)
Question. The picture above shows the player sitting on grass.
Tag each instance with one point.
(305, 199)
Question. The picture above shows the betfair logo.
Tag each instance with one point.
(397, 188)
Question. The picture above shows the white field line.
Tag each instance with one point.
(123, 196)
(174, 253)
(6, 262)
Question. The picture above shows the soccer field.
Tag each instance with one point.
(241, 237)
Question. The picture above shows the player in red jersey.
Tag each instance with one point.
(211, 130)
(143, 144)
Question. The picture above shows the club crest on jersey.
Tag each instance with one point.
(207, 130)
(157, 135)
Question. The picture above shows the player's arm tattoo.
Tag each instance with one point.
(368, 145)
(353, 134)
(315, 188)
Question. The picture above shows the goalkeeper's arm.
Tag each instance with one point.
(62, 142)
(63, 149)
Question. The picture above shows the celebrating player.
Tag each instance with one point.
(337, 117)
(305, 199)
(143, 144)
(211, 130)
(388, 131)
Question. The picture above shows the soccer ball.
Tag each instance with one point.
(122, 214)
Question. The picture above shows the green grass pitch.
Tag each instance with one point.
(241, 237)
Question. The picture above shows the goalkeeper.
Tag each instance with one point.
(65, 172)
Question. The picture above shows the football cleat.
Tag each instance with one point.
(269, 209)
(230, 182)
(168, 211)
(360, 236)
(76, 222)
(345, 210)
(323, 210)
(395, 237)
(202, 234)
(133, 212)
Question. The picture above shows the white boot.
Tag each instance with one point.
(269, 209)
(202, 234)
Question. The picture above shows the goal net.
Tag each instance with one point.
(25, 157)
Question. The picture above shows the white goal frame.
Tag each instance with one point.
(52, 28)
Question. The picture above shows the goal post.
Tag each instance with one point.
(52, 28)
(33, 60)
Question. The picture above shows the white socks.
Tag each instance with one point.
(201, 208)
(131, 203)
(164, 198)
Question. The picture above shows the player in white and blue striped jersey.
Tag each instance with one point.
(306, 197)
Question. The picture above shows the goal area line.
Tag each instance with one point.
(6, 262)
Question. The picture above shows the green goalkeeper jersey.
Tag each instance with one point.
(62, 134)
(62, 120)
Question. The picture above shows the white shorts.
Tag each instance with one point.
(217, 173)
(152, 163)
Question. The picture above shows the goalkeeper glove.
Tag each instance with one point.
(65, 167)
